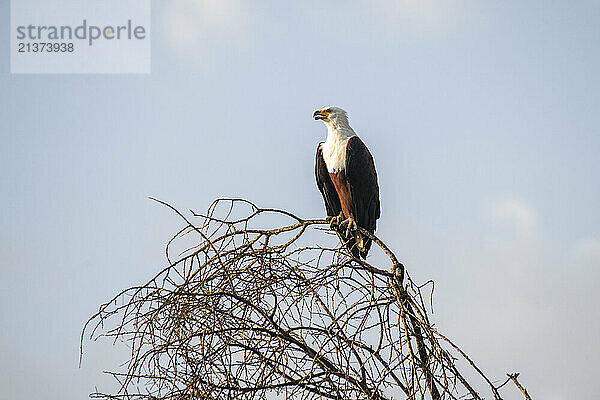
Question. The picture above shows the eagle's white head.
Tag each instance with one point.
(338, 133)
(334, 118)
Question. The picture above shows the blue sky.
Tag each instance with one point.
(482, 118)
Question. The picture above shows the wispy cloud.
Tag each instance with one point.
(587, 251)
(432, 17)
(515, 214)
(192, 27)
(195, 27)
(536, 297)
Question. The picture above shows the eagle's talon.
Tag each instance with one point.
(335, 221)
(350, 225)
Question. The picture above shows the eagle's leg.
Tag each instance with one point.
(335, 221)
(350, 224)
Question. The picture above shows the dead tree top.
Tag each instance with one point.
(258, 303)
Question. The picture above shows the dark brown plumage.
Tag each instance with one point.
(352, 192)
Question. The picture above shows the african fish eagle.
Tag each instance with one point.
(347, 179)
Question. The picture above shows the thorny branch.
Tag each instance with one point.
(248, 312)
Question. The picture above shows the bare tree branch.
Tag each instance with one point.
(254, 303)
(513, 377)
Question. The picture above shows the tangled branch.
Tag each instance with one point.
(251, 312)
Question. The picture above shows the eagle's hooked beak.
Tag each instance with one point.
(320, 114)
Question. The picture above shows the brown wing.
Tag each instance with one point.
(364, 189)
(325, 185)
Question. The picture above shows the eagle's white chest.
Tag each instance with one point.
(334, 153)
